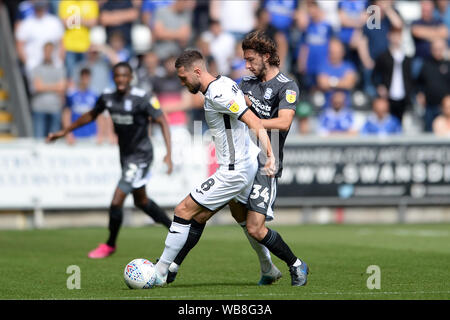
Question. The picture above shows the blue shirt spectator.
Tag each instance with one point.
(316, 39)
(79, 102)
(353, 9)
(380, 122)
(336, 73)
(281, 13)
(376, 126)
(338, 119)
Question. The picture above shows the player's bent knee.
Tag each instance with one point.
(255, 231)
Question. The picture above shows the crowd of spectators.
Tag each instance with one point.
(352, 62)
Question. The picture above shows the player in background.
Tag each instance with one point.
(228, 119)
(131, 111)
(272, 96)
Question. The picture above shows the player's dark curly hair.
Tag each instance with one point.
(260, 42)
(187, 58)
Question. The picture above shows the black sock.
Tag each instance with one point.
(278, 247)
(156, 213)
(195, 232)
(115, 221)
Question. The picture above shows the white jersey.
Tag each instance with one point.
(224, 106)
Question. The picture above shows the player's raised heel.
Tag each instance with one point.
(270, 277)
(299, 274)
(171, 277)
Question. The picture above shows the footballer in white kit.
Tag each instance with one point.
(236, 153)
(227, 117)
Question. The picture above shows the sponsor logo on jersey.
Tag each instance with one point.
(268, 93)
(109, 104)
(291, 96)
(233, 106)
(127, 105)
(155, 102)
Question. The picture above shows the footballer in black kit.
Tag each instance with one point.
(267, 99)
(131, 110)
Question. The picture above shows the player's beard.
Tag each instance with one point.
(194, 88)
(261, 72)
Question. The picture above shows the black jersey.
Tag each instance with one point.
(130, 114)
(267, 98)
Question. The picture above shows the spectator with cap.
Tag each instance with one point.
(335, 73)
(441, 125)
(49, 86)
(392, 75)
(34, 32)
(338, 119)
(119, 16)
(78, 16)
(380, 122)
(172, 28)
(434, 82)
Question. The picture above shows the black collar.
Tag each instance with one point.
(217, 78)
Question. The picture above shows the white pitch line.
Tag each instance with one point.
(266, 294)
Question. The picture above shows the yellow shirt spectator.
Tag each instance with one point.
(78, 16)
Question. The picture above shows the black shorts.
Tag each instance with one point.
(263, 194)
(134, 176)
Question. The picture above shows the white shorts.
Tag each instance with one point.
(225, 185)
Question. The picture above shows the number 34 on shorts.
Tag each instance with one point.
(260, 192)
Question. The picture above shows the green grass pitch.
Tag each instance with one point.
(414, 261)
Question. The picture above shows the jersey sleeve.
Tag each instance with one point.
(100, 105)
(288, 96)
(152, 107)
(231, 101)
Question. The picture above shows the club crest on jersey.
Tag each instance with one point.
(268, 93)
(109, 104)
(233, 106)
(291, 96)
(127, 105)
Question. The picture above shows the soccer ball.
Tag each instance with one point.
(140, 274)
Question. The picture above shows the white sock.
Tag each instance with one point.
(175, 240)
(297, 263)
(263, 253)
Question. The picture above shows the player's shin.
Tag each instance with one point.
(175, 240)
(115, 222)
(263, 253)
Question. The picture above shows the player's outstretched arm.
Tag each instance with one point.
(255, 124)
(161, 120)
(81, 121)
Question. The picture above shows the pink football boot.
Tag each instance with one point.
(102, 251)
